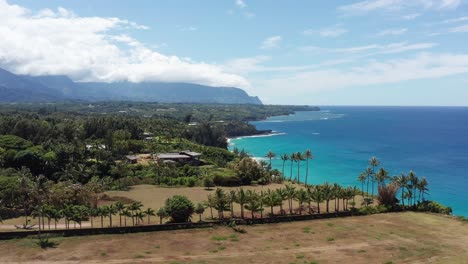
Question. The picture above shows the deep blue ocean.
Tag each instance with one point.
(431, 141)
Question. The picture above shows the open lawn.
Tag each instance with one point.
(154, 197)
(385, 238)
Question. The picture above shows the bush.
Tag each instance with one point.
(434, 207)
(228, 181)
(179, 208)
(367, 210)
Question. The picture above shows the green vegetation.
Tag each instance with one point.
(179, 208)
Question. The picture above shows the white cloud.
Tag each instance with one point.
(393, 5)
(241, 3)
(372, 49)
(334, 31)
(422, 66)
(459, 29)
(455, 20)
(271, 42)
(392, 32)
(411, 16)
(89, 49)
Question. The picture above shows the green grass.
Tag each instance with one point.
(307, 230)
(234, 238)
(213, 251)
(221, 248)
(157, 246)
(330, 239)
(103, 254)
(139, 256)
(300, 256)
(219, 238)
(330, 224)
(148, 252)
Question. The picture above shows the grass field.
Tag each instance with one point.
(385, 238)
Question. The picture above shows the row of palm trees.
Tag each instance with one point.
(256, 202)
(411, 187)
(79, 213)
(295, 157)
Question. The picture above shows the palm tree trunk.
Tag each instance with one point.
(290, 175)
(318, 207)
(120, 215)
(242, 211)
(298, 170)
(328, 202)
(102, 221)
(271, 211)
(307, 171)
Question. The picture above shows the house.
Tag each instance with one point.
(182, 157)
(132, 159)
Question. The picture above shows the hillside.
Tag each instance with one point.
(23, 88)
(384, 238)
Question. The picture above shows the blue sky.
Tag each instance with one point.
(373, 52)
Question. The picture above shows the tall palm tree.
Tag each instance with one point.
(126, 213)
(413, 180)
(373, 162)
(242, 199)
(112, 210)
(270, 155)
(402, 182)
(149, 212)
(102, 212)
(290, 193)
(199, 209)
(231, 197)
(422, 188)
(307, 155)
(292, 158)
(368, 173)
(210, 203)
(381, 176)
(299, 158)
(134, 208)
(119, 206)
(284, 158)
(301, 197)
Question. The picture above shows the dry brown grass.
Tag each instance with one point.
(397, 238)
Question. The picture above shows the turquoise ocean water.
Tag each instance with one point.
(432, 141)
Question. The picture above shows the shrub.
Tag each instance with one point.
(46, 243)
(387, 194)
(367, 210)
(434, 207)
(228, 181)
(179, 208)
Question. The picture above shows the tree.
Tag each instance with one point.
(242, 199)
(283, 196)
(301, 197)
(221, 202)
(270, 155)
(317, 196)
(373, 162)
(134, 208)
(231, 197)
(126, 213)
(119, 206)
(327, 192)
(290, 193)
(149, 212)
(387, 193)
(111, 210)
(307, 155)
(272, 199)
(199, 209)
(292, 159)
(284, 158)
(298, 159)
(381, 177)
(161, 213)
(402, 181)
(422, 187)
(208, 182)
(362, 179)
(179, 208)
(210, 202)
(253, 202)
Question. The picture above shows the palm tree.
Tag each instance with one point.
(161, 213)
(290, 193)
(336, 190)
(102, 212)
(231, 197)
(381, 177)
(362, 178)
(292, 159)
(199, 209)
(134, 207)
(368, 173)
(327, 192)
(210, 202)
(221, 202)
(149, 212)
(307, 156)
(299, 158)
(253, 202)
(112, 210)
(126, 213)
(301, 197)
(283, 196)
(317, 196)
(402, 181)
(92, 212)
(309, 198)
(284, 158)
(272, 199)
(373, 162)
(413, 179)
(139, 215)
(119, 206)
(270, 155)
(242, 199)
(422, 187)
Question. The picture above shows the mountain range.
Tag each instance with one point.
(25, 88)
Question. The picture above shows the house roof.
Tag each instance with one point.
(131, 157)
(191, 153)
(172, 156)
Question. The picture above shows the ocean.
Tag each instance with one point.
(431, 141)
